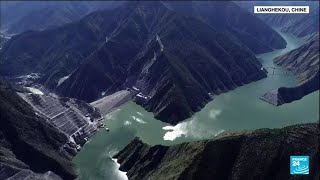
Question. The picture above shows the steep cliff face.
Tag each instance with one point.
(29, 145)
(304, 63)
(289, 94)
(228, 17)
(298, 24)
(261, 154)
(175, 61)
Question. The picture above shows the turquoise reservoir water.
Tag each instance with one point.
(240, 109)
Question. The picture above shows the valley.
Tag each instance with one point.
(303, 64)
(156, 90)
(76, 61)
(222, 115)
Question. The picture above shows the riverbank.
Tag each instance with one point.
(237, 110)
(261, 154)
(303, 63)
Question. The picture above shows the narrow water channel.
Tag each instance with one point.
(240, 109)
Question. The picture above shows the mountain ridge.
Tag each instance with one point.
(262, 154)
(169, 50)
(177, 34)
(27, 143)
(303, 62)
(18, 17)
(231, 18)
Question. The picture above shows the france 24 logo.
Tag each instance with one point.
(299, 164)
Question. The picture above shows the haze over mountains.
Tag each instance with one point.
(227, 16)
(20, 16)
(298, 24)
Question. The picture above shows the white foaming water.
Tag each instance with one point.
(138, 120)
(194, 128)
(190, 129)
(140, 114)
(174, 132)
(119, 175)
(127, 123)
(112, 115)
(213, 114)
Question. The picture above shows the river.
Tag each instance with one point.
(240, 109)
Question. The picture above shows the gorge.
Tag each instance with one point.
(222, 115)
(76, 61)
(156, 90)
(303, 62)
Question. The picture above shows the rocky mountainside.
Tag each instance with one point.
(29, 147)
(304, 63)
(298, 24)
(174, 61)
(76, 119)
(228, 17)
(289, 94)
(261, 154)
(18, 17)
